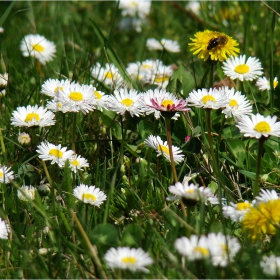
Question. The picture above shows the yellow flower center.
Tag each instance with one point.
(129, 260)
(275, 83)
(190, 191)
(59, 104)
(243, 205)
(57, 89)
(1, 174)
(74, 162)
(233, 103)
(262, 127)
(109, 75)
(127, 102)
(242, 68)
(31, 116)
(56, 153)
(146, 66)
(38, 48)
(163, 149)
(97, 95)
(76, 96)
(167, 103)
(207, 98)
(133, 3)
(160, 79)
(202, 250)
(89, 196)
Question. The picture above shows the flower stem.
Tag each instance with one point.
(169, 141)
(256, 188)
(74, 132)
(221, 131)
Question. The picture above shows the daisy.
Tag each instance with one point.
(193, 6)
(39, 47)
(32, 116)
(124, 100)
(55, 153)
(239, 68)
(264, 84)
(271, 265)
(58, 106)
(237, 211)
(77, 162)
(222, 248)
(101, 99)
(194, 248)
(161, 76)
(6, 176)
(214, 45)
(161, 147)
(26, 193)
(211, 99)
(51, 87)
(257, 126)
(237, 106)
(128, 258)
(154, 45)
(140, 8)
(3, 83)
(171, 46)
(24, 138)
(4, 229)
(266, 195)
(77, 97)
(90, 194)
(44, 189)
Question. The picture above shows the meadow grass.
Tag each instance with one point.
(59, 236)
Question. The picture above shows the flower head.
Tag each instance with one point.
(271, 265)
(6, 176)
(266, 195)
(32, 116)
(237, 211)
(3, 83)
(135, 7)
(161, 147)
(77, 162)
(239, 68)
(4, 229)
(128, 258)
(55, 153)
(39, 47)
(26, 192)
(24, 138)
(169, 45)
(214, 45)
(101, 99)
(51, 87)
(264, 84)
(90, 194)
(257, 126)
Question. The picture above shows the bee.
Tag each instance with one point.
(214, 42)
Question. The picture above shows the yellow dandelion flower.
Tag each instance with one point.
(264, 218)
(214, 45)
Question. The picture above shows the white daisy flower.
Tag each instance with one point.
(39, 47)
(266, 195)
(4, 229)
(128, 258)
(90, 194)
(101, 99)
(55, 153)
(109, 75)
(194, 248)
(51, 87)
(271, 265)
(212, 98)
(171, 46)
(32, 116)
(222, 248)
(124, 100)
(24, 138)
(3, 83)
(239, 68)
(77, 97)
(237, 211)
(264, 84)
(140, 8)
(6, 176)
(58, 106)
(161, 76)
(77, 162)
(237, 106)
(154, 45)
(193, 6)
(161, 148)
(257, 126)
(25, 193)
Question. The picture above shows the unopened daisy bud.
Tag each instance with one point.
(123, 168)
(44, 189)
(125, 180)
(103, 130)
(126, 161)
(187, 138)
(264, 178)
(3, 83)
(24, 138)
(142, 160)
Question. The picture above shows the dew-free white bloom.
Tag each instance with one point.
(55, 153)
(140, 8)
(161, 76)
(4, 229)
(161, 148)
(25, 193)
(271, 265)
(101, 99)
(39, 47)
(77, 162)
(24, 138)
(128, 258)
(236, 211)
(194, 6)
(194, 248)
(32, 116)
(6, 176)
(239, 68)
(90, 194)
(212, 98)
(124, 100)
(169, 45)
(257, 126)
(266, 195)
(264, 84)
(51, 87)
(58, 106)
(3, 83)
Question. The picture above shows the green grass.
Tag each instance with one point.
(86, 33)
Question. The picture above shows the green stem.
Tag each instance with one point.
(3, 147)
(74, 132)
(271, 63)
(256, 188)
(211, 76)
(169, 141)
(63, 129)
(221, 131)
